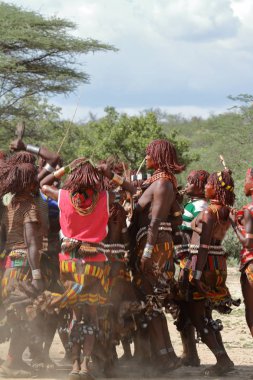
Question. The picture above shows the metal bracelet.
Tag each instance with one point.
(147, 254)
(33, 149)
(148, 251)
(197, 274)
(117, 179)
(49, 168)
(36, 274)
(117, 197)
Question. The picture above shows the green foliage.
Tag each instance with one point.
(126, 137)
(227, 134)
(38, 56)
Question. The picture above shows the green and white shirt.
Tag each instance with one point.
(191, 210)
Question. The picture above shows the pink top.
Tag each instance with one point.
(92, 227)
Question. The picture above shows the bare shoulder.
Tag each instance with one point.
(208, 216)
(162, 185)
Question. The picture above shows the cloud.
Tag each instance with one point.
(172, 52)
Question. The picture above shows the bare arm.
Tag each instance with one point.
(106, 170)
(32, 239)
(51, 157)
(208, 221)
(247, 241)
(33, 242)
(51, 192)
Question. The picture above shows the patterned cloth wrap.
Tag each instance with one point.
(118, 264)
(159, 279)
(214, 276)
(84, 273)
(16, 269)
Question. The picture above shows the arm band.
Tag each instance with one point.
(117, 179)
(117, 198)
(197, 274)
(48, 168)
(60, 172)
(33, 149)
(36, 274)
(205, 246)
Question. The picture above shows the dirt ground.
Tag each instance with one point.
(236, 336)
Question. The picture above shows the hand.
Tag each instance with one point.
(106, 170)
(201, 287)
(17, 145)
(232, 216)
(38, 285)
(146, 264)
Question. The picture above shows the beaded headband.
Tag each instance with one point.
(222, 183)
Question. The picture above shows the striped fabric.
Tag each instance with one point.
(191, 210)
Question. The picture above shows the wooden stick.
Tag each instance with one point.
(140, 166)
(67, 131)
(223, 162)
(20, 130)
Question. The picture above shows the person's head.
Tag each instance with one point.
(161, 154)
(21, 158)
(220, 186)
(196, 182)
(83, 176)
(19, 179)
(248, 184)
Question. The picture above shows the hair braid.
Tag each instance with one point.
(226, 196)
(164, 155)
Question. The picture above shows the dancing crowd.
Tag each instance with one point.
(101, 254)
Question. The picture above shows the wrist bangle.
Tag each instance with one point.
(48, 168)
(36, 274)
(249, 236)
(148, 251)
(117, 179)
(197, 274)
(59, 173)
(33, 149)
(177, 213)
(117, 197)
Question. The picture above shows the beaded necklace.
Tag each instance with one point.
(159, 173)
(76, 203)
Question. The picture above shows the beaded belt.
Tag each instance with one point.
(17, 258)
(68, 245)
(164, 226)
(114, 249)
(212, 249)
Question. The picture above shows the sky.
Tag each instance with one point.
(183, 56)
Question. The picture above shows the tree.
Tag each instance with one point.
(38, 56)
(126, 137)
